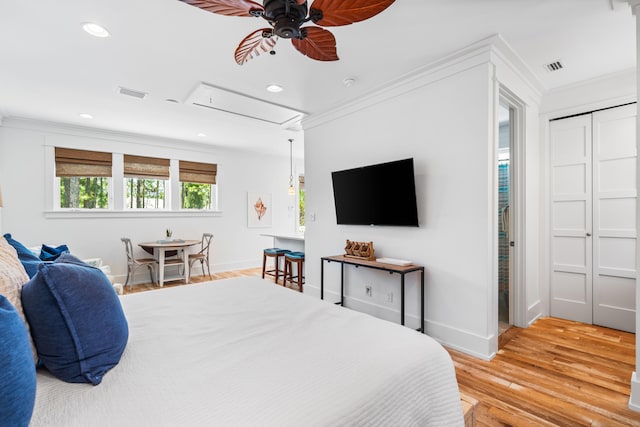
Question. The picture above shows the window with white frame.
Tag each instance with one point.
(198, 189)
(146, 182)
(83, 179)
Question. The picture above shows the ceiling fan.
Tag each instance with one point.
(286, 18)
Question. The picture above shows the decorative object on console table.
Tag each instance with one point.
(359, 250)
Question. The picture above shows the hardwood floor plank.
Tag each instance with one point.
(554, 373)
(194, 279)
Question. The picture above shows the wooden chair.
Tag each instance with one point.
(202, 255)
(274, 253)
(134, 263)
(289, 259)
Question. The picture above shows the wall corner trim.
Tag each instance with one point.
(634, 398)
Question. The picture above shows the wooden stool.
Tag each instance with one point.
(273, 253)
(289, 259)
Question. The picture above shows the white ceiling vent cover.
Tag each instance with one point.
(554, 66)
(131, 92)
(213, 97)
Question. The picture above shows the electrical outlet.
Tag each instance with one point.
(368, 290)
(390, 297)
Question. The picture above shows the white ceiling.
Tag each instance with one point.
(50, 69)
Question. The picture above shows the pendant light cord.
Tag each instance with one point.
(292, 190)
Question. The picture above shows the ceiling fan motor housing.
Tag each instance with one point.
(286, 17)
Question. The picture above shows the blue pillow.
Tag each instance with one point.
(48, 253)
(76, 320)
(17, 371)
(29, 261)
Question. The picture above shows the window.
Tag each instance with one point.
(146, 182)
(301, 194)
(93, 183)
(198, 188)
(83, 178)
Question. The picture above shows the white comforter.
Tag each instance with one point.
(245, 352)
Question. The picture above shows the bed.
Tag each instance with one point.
(246, 352)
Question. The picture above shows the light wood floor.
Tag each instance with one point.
(194, 279)
(554, 373)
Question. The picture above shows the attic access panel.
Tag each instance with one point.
(216, 98)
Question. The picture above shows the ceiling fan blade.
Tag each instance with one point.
(253, 45)
(227, 7)
(319, 44)
(345, 12)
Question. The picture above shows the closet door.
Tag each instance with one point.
(571, 249)
(614, 217)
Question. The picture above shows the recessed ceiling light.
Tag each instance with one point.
(95, 29)
(202, 135)
(274, 88)
(86, 116)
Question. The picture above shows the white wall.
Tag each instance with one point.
(27, 217)
(445, 117)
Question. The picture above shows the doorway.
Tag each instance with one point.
(506, 114)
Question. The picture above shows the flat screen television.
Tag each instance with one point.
(380, 194)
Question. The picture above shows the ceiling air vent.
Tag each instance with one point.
(132, 92)
(554, 66)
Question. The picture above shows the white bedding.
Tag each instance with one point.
(245, 352)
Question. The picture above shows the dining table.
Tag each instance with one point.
(160, 250)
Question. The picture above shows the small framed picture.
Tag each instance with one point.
(259, 209)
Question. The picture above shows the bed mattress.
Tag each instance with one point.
(246, 352)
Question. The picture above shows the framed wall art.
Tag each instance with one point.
(259, 209)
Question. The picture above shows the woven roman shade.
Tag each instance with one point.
(145, 167)
(70, 162)
(201, 173)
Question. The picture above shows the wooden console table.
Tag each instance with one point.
(391, 268)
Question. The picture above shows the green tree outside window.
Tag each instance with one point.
(84, 192)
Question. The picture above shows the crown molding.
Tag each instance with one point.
(57, 128)
(480, 53)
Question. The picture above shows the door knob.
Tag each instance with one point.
(588, 234)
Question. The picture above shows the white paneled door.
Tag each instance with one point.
(593, 211)
(571, 250)
(614, 217)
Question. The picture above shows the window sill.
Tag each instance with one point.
(106, 213)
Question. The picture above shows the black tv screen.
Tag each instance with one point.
(381, 194)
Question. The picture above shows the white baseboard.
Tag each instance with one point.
(457, 339)
(634, 399)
